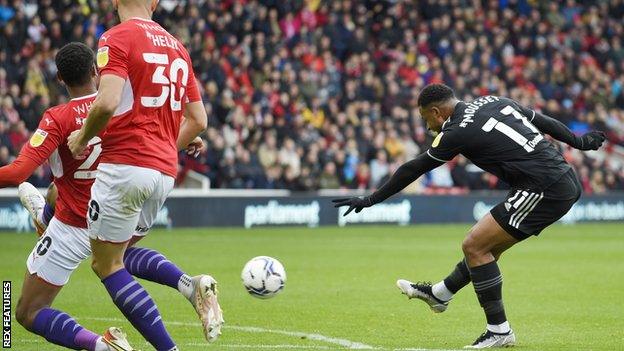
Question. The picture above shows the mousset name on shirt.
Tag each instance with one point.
(472, 108)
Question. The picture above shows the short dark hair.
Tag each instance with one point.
(75, 63)
(435, 93)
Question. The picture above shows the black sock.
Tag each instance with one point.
(458, 278)
(488, 284)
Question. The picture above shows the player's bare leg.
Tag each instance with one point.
(485, 240)
(107, 257)
(482, 247)
(439, 295)
(129, 296)
(34, 313)
(200, 290)
(51, 196)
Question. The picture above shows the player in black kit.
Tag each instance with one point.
(504, 138)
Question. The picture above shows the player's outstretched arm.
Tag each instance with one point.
(404, 176)
(17, 172)
(195, 121)
(103, 108)
(41, 145)
(588, 141)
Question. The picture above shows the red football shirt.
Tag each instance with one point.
(73, 177)
(159, 82)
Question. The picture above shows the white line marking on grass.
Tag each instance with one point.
(317, 337)
(281, 346)
(310, 336)
(31, 341)
(246, 346)
(238, 346)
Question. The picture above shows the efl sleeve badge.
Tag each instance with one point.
(38, 137)
(102, 56)
(437, 139)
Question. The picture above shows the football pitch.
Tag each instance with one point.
(563, 290)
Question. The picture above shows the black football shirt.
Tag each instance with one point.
(496, 134)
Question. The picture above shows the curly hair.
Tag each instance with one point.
(75, 63)
(435, 93)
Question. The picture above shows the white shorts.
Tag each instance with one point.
(59, 252)
(125, 201)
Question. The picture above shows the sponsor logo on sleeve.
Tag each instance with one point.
(437, 139)
(38, 137)
(102, 56)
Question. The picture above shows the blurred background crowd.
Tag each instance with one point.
(307, 95)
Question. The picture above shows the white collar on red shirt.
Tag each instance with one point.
(84, 97)
(141, 19)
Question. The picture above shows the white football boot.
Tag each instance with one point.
(116, 340)
(34, 202)
(422, 291)
(204, 299)
(490, 339)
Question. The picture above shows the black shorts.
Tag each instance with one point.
(526, 212)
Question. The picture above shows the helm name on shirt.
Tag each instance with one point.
(157, 39)
(162, 40)
(472, 108)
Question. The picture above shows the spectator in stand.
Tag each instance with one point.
(5, 156)
(315, 90)
(379, 168)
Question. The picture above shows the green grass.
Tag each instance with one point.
(563, 290)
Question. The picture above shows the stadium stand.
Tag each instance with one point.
(306, 95)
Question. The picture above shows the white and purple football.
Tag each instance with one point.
(263, 277)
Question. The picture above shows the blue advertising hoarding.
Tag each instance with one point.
(312, 211)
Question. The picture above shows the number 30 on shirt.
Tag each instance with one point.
(178, 73)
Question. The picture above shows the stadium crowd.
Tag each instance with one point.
(316, 94)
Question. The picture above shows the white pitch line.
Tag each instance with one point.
(270, 347)
(30, 341)
(317, 337)
(238, 346)
(249, 346)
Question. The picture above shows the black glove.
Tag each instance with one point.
(354, 203)
(592, 140)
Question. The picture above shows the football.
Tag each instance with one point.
(263, 277)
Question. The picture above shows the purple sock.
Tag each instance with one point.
(48, 213)
(139, 308)
(86, 339)
(152, 265)
(59, 328)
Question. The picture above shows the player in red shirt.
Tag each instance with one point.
(65, 243)
(148, 106)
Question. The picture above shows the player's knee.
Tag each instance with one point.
(25, 313)
(468, 246)
(98, 268)
(471, 246)
(105, 268)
